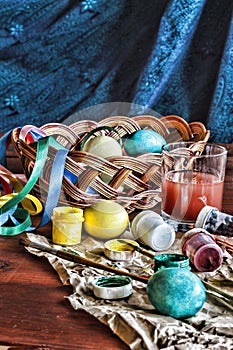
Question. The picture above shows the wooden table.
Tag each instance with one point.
(34, 313)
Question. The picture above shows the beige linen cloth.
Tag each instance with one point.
(134, 319)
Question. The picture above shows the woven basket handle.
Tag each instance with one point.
(92, 132)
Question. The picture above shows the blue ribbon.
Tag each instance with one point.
(7, 216)
(54, 185)
(10, 210)
(3, 142)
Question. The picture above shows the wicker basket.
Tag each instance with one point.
(134, 181)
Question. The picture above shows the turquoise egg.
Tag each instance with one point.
(176, 292)
(144, 141)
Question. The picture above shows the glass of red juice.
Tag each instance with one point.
(192, 177)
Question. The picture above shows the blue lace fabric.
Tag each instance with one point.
(59, 57)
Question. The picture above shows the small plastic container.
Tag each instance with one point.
(150, 229)
(163, 261)
(67, 225)
(202, 250)
(214, 221)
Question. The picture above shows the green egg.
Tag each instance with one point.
(103, 146)
(176, 292)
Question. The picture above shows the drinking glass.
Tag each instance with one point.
(192, 177)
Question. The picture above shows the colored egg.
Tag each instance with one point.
(176, 292)
(144, 141)
(105, 219)
(74, 179)
(103, 146)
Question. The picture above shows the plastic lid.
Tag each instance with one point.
(113, 287)
(118, 250)
(161, 238)
(203, 215)
(208, 258)
(162, 261)
(64, 211)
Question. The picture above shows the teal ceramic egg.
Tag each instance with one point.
(144, 141)
(176, 292)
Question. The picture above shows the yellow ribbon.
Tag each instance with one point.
(29, 203)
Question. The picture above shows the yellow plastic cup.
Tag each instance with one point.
(67, 225)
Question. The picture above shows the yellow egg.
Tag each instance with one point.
(105, 219)
(103, 146)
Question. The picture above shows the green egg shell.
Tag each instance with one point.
(144, 141)
(176, 292)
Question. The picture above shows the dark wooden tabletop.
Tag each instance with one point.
(34, 310)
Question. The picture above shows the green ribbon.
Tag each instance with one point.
(21, 214)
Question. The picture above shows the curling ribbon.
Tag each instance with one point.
(33, 210)
(5, 184)
(31, 133)
(54, 185)
(7, 178)
(14, 214)
(53, 193)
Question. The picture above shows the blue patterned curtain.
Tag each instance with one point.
(174, 56)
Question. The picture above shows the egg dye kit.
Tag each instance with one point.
(102, 164)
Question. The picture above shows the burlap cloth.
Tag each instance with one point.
(134, 319)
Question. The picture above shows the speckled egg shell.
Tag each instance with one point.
(144, 141)
(176, 292)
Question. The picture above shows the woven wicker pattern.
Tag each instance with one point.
(133, 181)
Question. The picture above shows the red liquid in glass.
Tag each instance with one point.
(185, 193)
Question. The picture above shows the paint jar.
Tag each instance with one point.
(150, 229)
(67, 225)
(163, 261)
(202, 250)
(214, 221)
(176, 292)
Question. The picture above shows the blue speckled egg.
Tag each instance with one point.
(176, 292)
(144, 141)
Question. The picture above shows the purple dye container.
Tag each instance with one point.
(202, 250)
